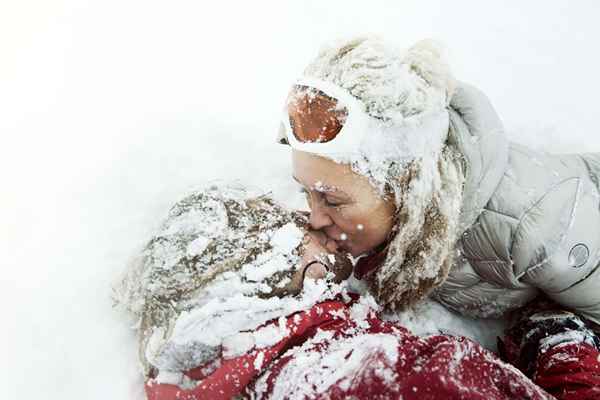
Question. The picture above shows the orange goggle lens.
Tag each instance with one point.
(314, 116)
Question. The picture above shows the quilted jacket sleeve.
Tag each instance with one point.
(556, 245)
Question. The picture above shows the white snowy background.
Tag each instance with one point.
(110, 110)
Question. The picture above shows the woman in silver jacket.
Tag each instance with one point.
(411, 172)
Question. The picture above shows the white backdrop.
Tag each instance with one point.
(110, 109)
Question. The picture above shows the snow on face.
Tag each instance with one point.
(251, 246)
(323, 188)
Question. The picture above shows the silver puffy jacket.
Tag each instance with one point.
(530, 221)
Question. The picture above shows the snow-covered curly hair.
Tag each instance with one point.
(394, 84)
(397, 87)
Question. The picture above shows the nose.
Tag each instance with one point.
(319, 218)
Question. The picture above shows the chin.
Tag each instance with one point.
(356, 251)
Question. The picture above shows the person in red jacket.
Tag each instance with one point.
(339, 350)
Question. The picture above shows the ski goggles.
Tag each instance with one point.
(325, 119)
(322, 118)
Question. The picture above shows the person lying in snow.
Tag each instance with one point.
(412, 171)
(225, 312)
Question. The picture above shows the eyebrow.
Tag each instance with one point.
(335, 192)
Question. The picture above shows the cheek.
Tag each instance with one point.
(348, 220)
(366, 228)
(370, 234)
(356, 225)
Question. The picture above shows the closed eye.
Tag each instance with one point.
(327, 200)
(332, 202)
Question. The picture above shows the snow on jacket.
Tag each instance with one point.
(530, 221)
(338, 350)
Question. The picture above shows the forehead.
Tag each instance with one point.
(313, 170)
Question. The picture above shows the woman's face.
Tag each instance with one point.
(344, 205)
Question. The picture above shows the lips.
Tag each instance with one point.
(342, 245)
(332, 245)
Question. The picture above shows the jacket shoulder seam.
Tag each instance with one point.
(500, 213)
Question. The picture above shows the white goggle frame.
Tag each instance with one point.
(363, 135)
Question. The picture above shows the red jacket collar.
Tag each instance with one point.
(367, 265)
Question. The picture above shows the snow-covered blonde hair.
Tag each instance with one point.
(394, 84)
(400, 87)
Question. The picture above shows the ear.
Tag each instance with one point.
(428, 59)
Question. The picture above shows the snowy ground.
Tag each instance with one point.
(110, 110)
